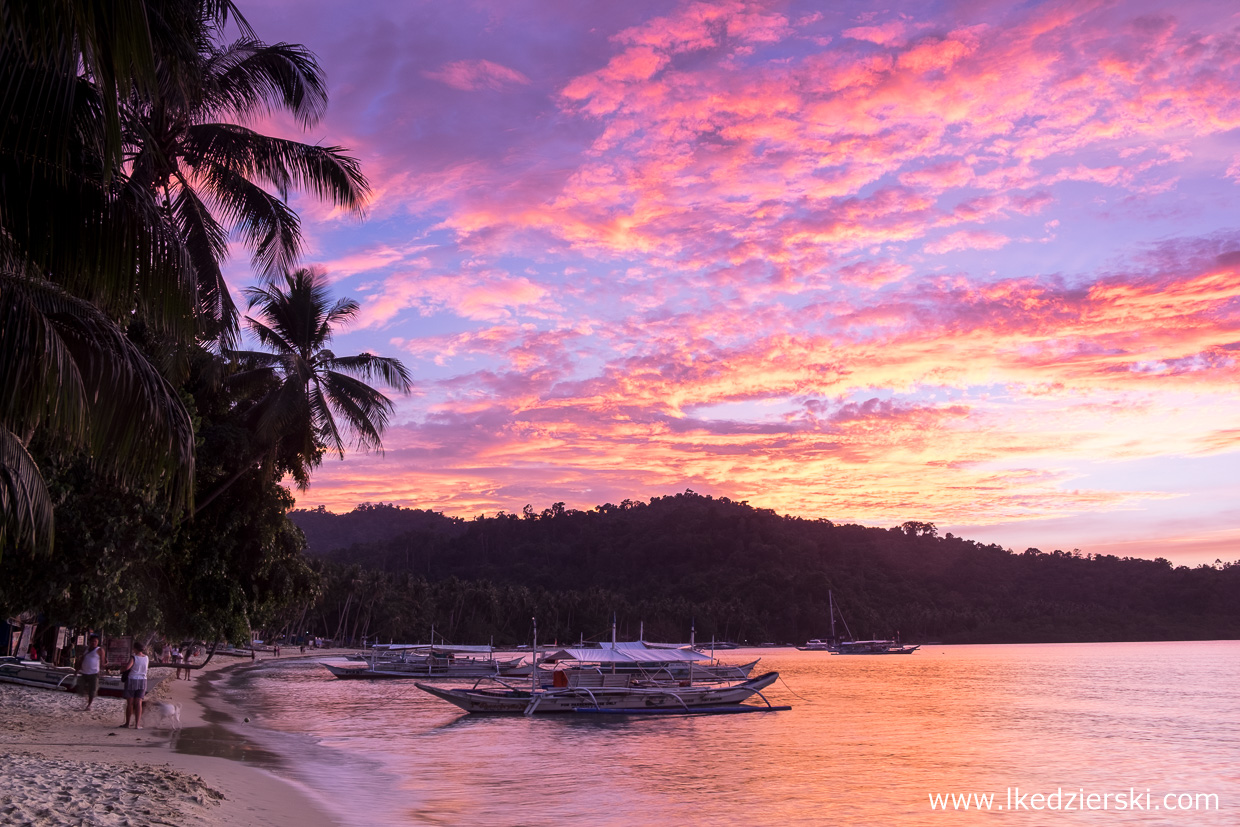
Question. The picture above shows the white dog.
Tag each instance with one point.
(168, 715)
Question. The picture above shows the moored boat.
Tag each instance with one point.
(848, 646)
(396, 661)
(620, 695)
(875, 647)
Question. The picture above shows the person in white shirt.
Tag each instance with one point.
(88, 668)
(135, 686)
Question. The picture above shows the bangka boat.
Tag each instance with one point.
(618, 694)
(650, 661)
(611, 678)
(46, 676)
(395, 661)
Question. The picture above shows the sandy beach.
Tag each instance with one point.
(66, 766)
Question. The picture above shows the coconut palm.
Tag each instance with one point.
(121, 182)
(315, 400)
(211, 175)
(81, 250)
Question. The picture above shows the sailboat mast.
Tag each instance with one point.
(534, 659)
(831, 603)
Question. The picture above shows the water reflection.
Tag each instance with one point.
(867, 741)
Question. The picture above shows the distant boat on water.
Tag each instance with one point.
(848, 646)
(396, 661)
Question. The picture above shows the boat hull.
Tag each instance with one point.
(620, 699)
(45, 676)
(382, 671)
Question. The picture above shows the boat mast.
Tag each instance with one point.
(534, 659)
(831, 603)
(692, 647)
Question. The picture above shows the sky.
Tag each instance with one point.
(973, 263)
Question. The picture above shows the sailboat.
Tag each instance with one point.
(849, 646)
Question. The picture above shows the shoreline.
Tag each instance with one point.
(69, 766)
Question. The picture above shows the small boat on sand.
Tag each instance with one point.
(46, 676)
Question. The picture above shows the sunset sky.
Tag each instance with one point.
(967, 262)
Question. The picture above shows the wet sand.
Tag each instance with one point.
(67, 766)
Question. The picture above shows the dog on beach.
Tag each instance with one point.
(166, 715)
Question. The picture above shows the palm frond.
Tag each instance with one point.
(68, 368)
(207, 245)
(340, 314)
(325, 425)
(249, 78)
(266, 224)
(45, 42)
(365, 410)
(327, 172)
(25, 508)
(269, 337)
(368, 367)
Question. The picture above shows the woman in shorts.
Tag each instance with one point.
(135, 686)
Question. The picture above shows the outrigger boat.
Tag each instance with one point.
(400, 660)
(619, 694)
(46, 676)
(641, 661)
(595, 684)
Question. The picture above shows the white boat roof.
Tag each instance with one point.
(625, 652)
(426, 647)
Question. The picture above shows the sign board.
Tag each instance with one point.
(119, 649)
(24, 644)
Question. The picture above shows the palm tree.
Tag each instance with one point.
(315, 400)
(211, 175)
(120, 186)
(81, 251)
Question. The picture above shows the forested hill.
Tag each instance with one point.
(741, 573)
(368, 523)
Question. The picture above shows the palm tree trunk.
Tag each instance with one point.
(221, 489)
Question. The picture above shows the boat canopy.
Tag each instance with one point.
(625, 652)
(437, 648)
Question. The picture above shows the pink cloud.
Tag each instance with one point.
(472, 75)
(480, 297)
(967, 240)
(887, 34)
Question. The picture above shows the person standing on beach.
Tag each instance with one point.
(135, 687)
(88, 668)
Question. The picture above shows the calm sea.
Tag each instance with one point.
(869, 740)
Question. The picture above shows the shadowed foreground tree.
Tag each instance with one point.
(125, 166)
